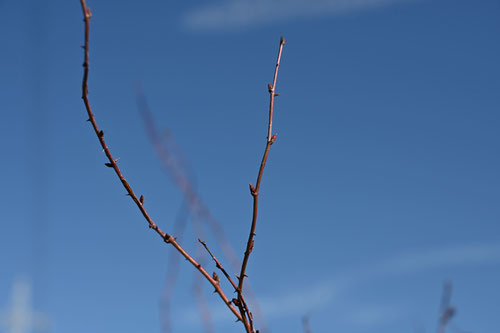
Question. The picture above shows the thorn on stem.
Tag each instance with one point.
(109, 165)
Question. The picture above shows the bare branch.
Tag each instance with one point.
(305, 324)
(447, 311)
(255, 190)
(112, 164)
(201, 301)
(165, 148)
(173, 271)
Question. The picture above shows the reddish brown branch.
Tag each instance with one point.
(305, 324)
(447, 311)
(196, 205)
(219, 265)
(112, 164)
(255, 190)
(173, 272)
(241, 303)
(203, 308)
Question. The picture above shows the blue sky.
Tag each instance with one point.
(383, 183)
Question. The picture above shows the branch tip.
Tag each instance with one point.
(282, 40)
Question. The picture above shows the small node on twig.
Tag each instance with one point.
(270, 87)
(252, 189)
(216, 277)
(101, 133)
(236, 301)
(273, 138)
(250, 249)
(88, 13)
(110, 165)
(141, 199)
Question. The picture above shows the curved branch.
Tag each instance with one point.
(112, 164)
(255, 190)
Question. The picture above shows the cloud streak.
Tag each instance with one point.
(300, 301)
(245, 13)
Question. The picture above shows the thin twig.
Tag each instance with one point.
(205, 313)
(173, 271)
(305, 324)
(242, 305)
(255, 190)
(446, 310)
(219, 265)
(112, 164)
(196, 204)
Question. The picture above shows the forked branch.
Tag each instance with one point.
(242, 313)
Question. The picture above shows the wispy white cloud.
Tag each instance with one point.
(292, 303)
(298, 301)
(244, 13)
(373, 315)
(439, 258)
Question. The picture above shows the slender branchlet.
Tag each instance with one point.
(254, 190)
(305, 324)
(112, 163)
